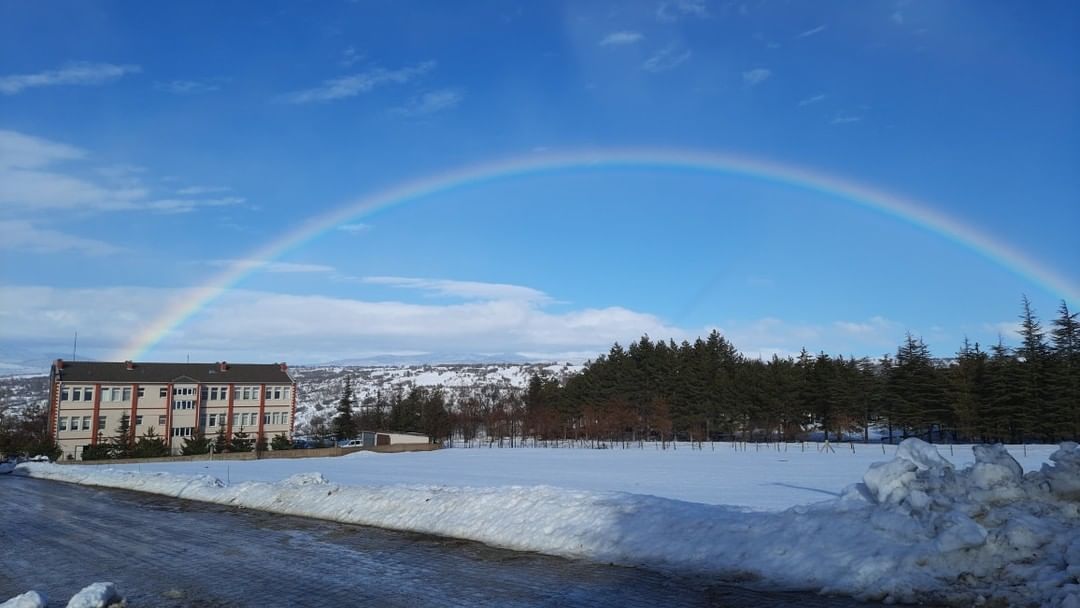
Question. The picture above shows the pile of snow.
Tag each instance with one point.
(30, 599)
(915, 529)
(96, 595)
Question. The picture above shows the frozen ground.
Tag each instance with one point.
(916, 528)
(758, 479)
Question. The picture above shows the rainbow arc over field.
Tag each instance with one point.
(842, 189)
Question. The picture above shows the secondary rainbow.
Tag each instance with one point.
(906, 209)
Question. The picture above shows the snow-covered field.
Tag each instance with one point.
(918, 527)
(755, 478)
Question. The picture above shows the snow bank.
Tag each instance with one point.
(915, 529)
(30, 599)
(6, 467)
(97, 595)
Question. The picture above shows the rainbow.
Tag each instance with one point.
(905, 209)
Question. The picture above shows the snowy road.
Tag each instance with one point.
(165, 552)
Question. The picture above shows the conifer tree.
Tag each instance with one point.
(197, 443)
(242, 441)
(121, 445)
(221, 442)
(345, 422)
(150, 445)
(280, 442)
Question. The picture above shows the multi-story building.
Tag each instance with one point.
(87, 400)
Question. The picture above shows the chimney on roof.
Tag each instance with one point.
(284, 366)
(59, 363)
(129, 364)
(223, 366)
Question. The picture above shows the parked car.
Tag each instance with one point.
(351, 443)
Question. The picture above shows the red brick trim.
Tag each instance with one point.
(54, 412)
(262, 411)
(94, 430)
(134, 408)
(292, 412)
(168, 415)
(229, 412)
(198, 402)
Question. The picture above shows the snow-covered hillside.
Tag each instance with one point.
(320, 387)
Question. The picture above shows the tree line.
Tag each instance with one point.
(706, 390)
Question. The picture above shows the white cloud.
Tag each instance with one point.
(79, 73)
(21, 151)
(349, 57)
(666, 59)
(430, 102)
(270, 326)
(274, 267)
(621, 38)
(673, 10)
(484, 318)
(39, 176)
(355, 84)
(756, 76)
(196, 190)
(187, 205)
(1008, 330)
(354, 228)
(843, 119)
(20, 235)
(811, 32)
(812, 99)
(470, 290)
(187, 87)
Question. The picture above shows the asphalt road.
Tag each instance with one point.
(164, 552)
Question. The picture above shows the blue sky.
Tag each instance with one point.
(146, 147)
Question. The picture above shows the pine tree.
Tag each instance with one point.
(150, 445)
(280, 442)
(345, 422)
(1065, 372)
(242, 441)
(1037, 413)
(221, 442)
(121, 445)
(197, 443)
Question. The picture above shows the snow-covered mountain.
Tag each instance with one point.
(320, 386)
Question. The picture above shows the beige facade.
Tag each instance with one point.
(175, 400)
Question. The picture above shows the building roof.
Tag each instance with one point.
(209, 373)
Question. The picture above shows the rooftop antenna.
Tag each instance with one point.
(189, 358)
(75, 346)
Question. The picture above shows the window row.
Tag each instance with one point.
(82, 423)
(184, 431)
(114, 393)
(183, 404)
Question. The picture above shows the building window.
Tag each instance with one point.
(246, 393)
(266, 418)
(161, 420)
(213, 420)
(213, 393)
(236, 419)
(62, 424)
(64, 395)
(101, 420)
(277, 392)
(76, 394)
(127, 393)
(114, 394)
(163, 392)
(142, 391)
(88, 394)
(138, 420)
(286, 392)
(86, 423)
